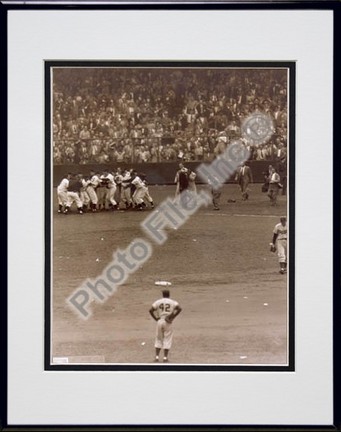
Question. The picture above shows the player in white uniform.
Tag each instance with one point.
(101, 192)
(91, 190)
(110, 185)
(62, 192)
(83, 194)
(279, 243)
(73, 194)
(147, 195)
(164, 311)
(126, 191)
(140, 191)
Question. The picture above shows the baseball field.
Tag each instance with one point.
(234, 301)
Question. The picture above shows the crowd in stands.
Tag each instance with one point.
(116, 115)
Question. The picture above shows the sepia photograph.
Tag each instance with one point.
(179, 234)
(169, 195)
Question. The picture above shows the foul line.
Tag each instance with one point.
(239, 215)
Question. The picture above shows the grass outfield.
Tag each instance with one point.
(233, 298)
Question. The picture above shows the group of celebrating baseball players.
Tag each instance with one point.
(107, 190)
(104, 191)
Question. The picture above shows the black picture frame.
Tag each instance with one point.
(299, 5)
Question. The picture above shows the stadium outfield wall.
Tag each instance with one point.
(157, 173)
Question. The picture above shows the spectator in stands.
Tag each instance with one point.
(69, 154)
(119, 155)
(84, 134)
(131, 106)
(103, 158)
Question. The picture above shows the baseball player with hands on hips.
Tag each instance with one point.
(279, 243)
(163, 312)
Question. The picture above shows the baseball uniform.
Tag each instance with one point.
(164, 330)
(109, 181)
(126, 191)
(274, 187)
(281, 242)
(118, 193)
(140, 190)
(62, 192)
(84, 196)
(91, 189)
(73, 195)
